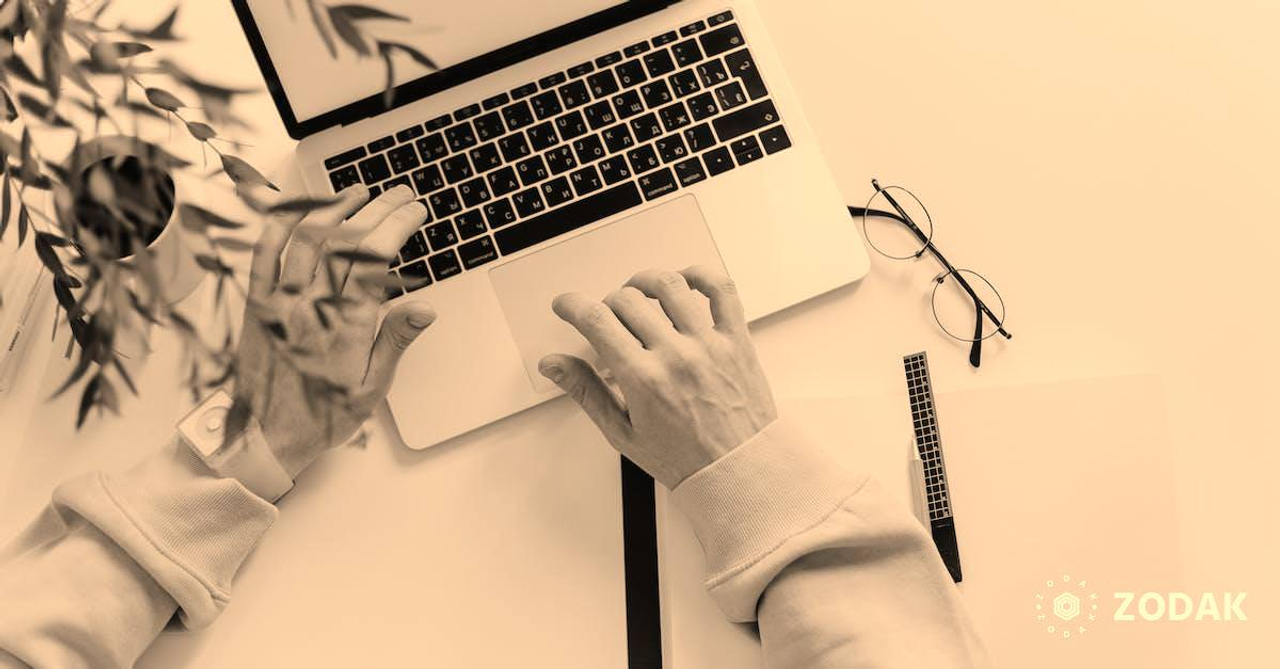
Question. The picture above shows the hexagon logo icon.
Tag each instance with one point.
(1066, 606)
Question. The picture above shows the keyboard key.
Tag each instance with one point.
(416, 275)
(552, 80)
(685, 83)
(470, 224)
(712, 73)
(775, 140)
(602, 84)
(342, 178)
(731, 95)
(432, 147)
(690, 172)
(474, 192)
(686, 53)
(398, 181)
(485, 157)
(609, 59)
(518, 115)
(441, 235)
(444, 204)
(579, 70)
(721, 40)
(703, 106)
(700, 137)
(586, 180)
(503, 181)
(466, 112)
(495, 101)
(428, 180)
(617, 138)
(545, 105)
(574, 94)
(718, 161)
(635, 49)
(456, 168)
(628, 104)
(631, 73)
(439, 122)
(656, 93)
(374, 169)
(658, 183)
(599, 114)
(410, 133)
(557, 191)
(572, 216)
(743, 66)
(460, 137)
(345, 157)
(745, 120)
(499, 213)
(588, 149)
(403, 158)
(560, 159)
(489, 126)
(615, 169)
(415, 247)
(646, 127)
(524, 91)
(477, 253)
(571, 125)
(444, 265)
(722, 17)
(514, 147)
(671, 148)
(382, 144)
(532, 170)
(674, 117)
(746, 150)
(374, 192)
(543, 136)
(643, 159)
(528, 203)
(659, 63)
(665, 38)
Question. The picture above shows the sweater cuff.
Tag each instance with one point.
(750, 501)
(187, 527)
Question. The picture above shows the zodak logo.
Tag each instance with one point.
(1068, 607)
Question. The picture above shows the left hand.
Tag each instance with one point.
(312, 389)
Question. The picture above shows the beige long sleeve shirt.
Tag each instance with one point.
(836, 574)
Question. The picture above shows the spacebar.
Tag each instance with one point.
(571, 217)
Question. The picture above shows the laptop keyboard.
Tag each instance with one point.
(549, 157)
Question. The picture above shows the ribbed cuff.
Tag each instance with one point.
(772, 487)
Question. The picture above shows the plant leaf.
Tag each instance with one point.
(363, 12)
(8, 112)
(318, 19)
(302, 205)
(23, 222)
(87, 399)
(356, 255)
(197, 219)
(347, 30)
(108, 54)
(161, 31)
(242, 173)
(201, 131)
(421, 58)
(164, 99)
(6, 204)
(389, 83)
(233, 244)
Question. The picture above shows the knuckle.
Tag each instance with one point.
(595, 314)
(670, 280)
(401, 336)
(725, 285)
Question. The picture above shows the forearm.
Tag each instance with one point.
(836, 573)
(97, 576)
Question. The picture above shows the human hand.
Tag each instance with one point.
(313, 365)
(691, 386)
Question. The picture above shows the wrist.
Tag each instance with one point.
(224, 435)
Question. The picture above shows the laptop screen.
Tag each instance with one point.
(315, 82)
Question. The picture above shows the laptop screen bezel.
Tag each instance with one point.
(417, 89)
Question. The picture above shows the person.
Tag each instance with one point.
(833, 570)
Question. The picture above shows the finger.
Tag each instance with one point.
(400, 328)
(384, 243)
(264, 269)
(640, 316)
(599, 325)
(303, 252)
(671, 290)
(364, 222)
(580, 381)
(726, 307)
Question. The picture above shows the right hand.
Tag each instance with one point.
(691, 386)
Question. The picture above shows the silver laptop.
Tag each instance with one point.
(563, 146)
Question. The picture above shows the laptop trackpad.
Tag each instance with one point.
(671, 236)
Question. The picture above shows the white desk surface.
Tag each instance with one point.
(1110, 166)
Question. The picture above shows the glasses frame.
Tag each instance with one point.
(981, 311)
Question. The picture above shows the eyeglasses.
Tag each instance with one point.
(897, 226)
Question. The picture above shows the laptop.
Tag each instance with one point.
(559, 147)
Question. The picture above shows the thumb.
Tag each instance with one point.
(400, 328)
(579, 380)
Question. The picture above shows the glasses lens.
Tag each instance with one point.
(956, 297)
(902, 234)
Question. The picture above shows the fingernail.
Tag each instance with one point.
(402, 190)
(419, 321)
(552, 371)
